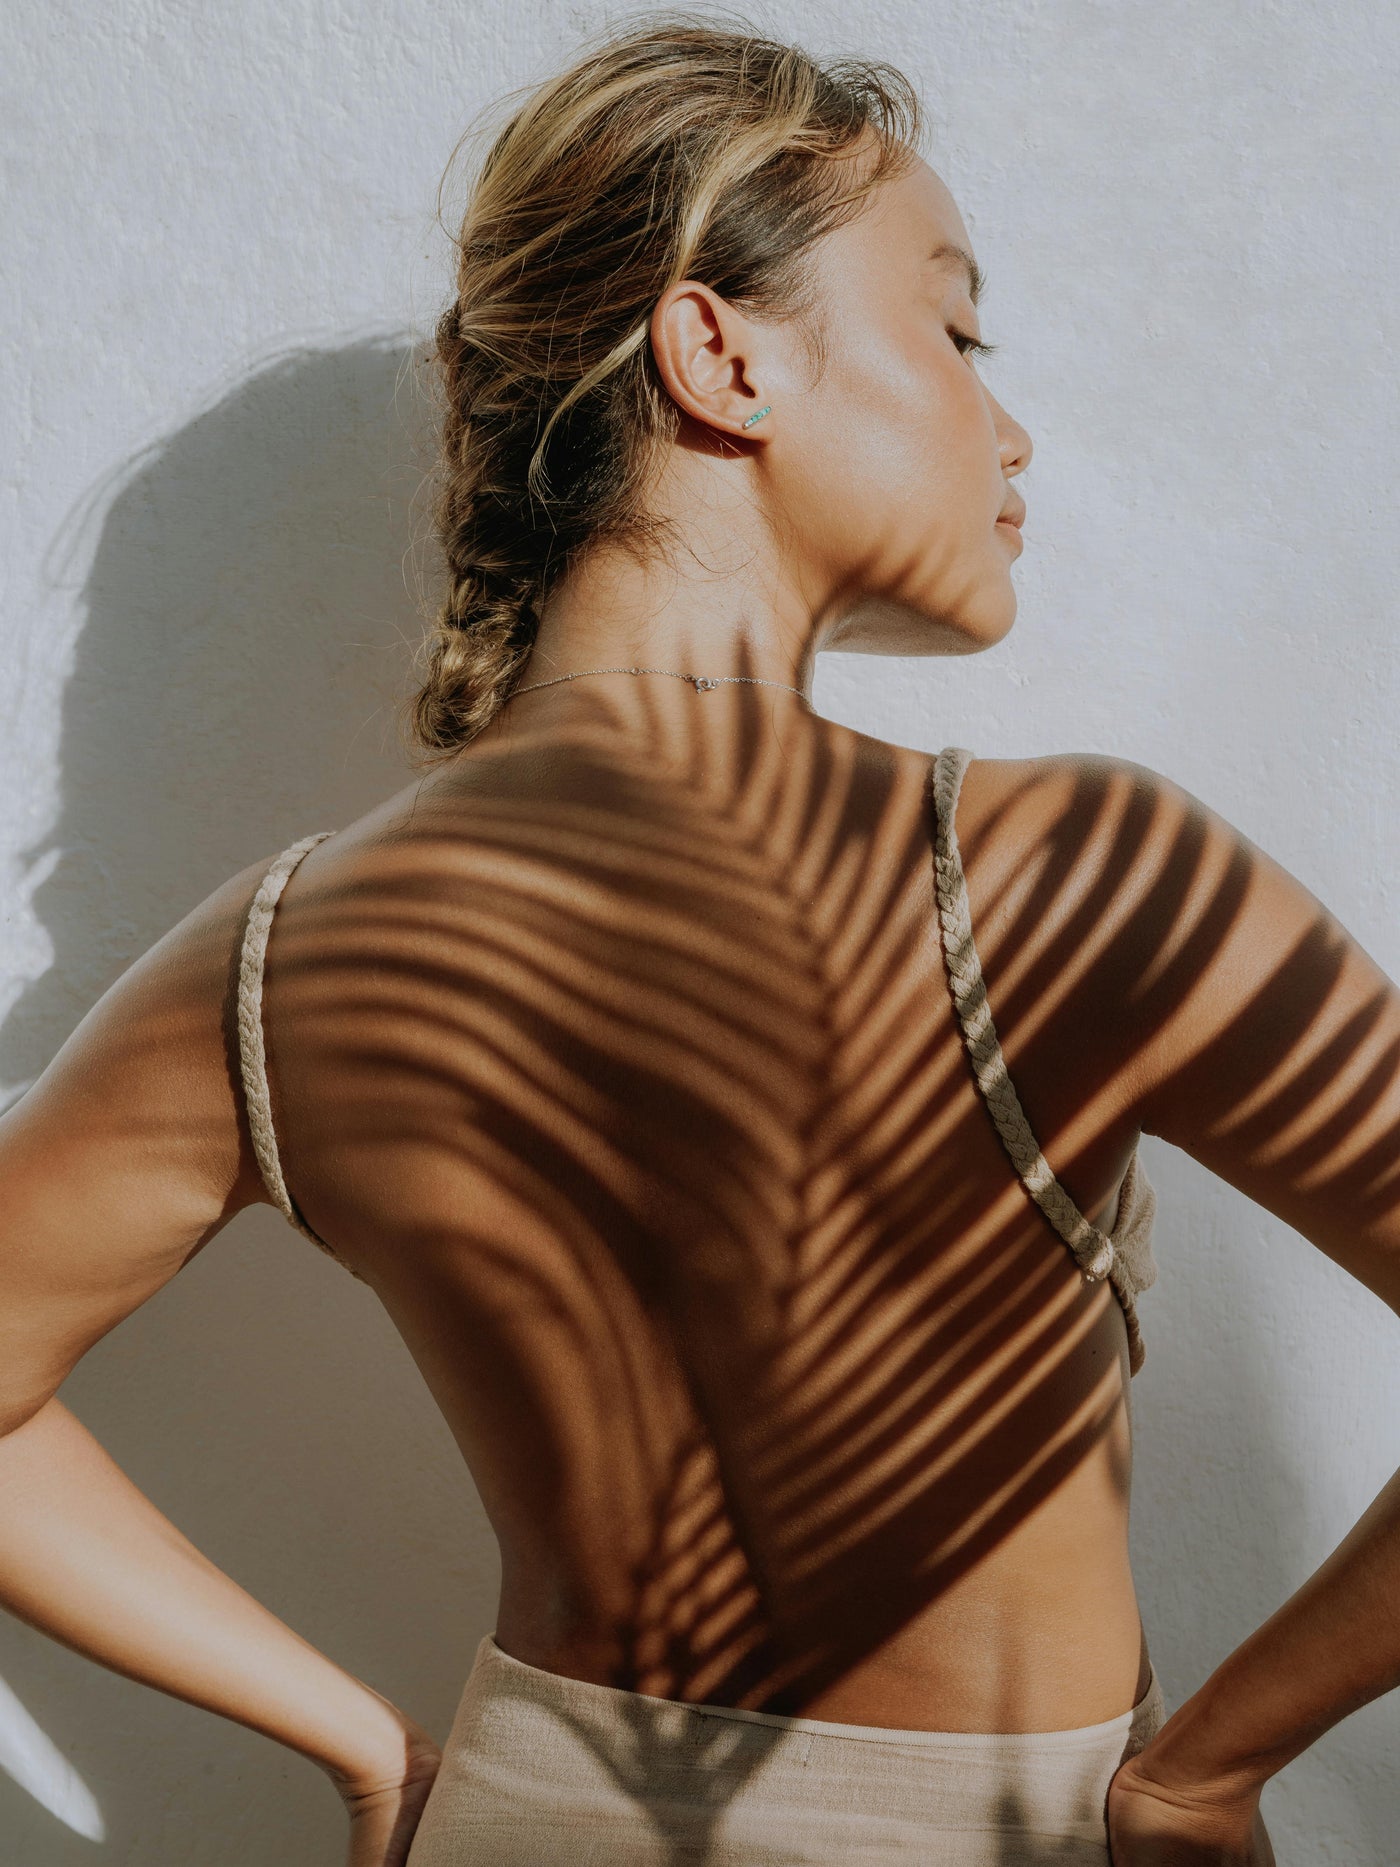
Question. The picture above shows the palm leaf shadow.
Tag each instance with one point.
(673, 1018)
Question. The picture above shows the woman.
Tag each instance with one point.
(736, 1114)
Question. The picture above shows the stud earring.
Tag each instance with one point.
(758, 416)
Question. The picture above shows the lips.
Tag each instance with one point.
(1013, 515)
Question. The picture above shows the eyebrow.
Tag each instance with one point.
(976, 278)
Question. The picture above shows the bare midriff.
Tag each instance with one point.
(1040, 1631)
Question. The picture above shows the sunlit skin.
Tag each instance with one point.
(616, 1055)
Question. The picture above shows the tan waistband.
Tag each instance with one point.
(1136, 1727)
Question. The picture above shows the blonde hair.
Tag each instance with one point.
(674, 148)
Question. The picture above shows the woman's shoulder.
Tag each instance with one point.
(1062, 801)
(1057, 807)
(1075, 846)
(1077, 869)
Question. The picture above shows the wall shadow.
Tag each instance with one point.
(243, 584)
(248, 601)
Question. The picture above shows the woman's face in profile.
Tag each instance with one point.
(900, 457)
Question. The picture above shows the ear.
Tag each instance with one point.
(709, 357)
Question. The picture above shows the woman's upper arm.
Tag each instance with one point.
(125, 1157)
(1264, 1039)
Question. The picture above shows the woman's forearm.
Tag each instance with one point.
(88, 1559)
(1331, 1648)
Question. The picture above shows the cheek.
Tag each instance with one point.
(896, 452)
(921, 386)
(913, 441)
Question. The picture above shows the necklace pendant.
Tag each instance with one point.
(703, 682)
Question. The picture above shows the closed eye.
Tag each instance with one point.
(971, 347)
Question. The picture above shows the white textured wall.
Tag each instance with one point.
(217, 248)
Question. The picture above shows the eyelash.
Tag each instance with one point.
(969, 346)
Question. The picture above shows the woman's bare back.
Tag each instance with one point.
(625, 1072)
(634, 1089)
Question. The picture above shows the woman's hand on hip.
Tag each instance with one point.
(1156, 1824)
(385, 1806)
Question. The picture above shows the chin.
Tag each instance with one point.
(879, 626)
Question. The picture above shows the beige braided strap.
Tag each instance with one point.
(1134, 1267)
(251, 1044)
(1093, 1249)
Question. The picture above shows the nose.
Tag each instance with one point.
(1014, 442)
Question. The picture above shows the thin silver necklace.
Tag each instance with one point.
(700, 682)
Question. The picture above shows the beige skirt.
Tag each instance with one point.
(541, 1769)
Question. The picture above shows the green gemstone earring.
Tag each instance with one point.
(758, 416)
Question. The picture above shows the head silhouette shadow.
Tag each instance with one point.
(246, 604)
(245, 616)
